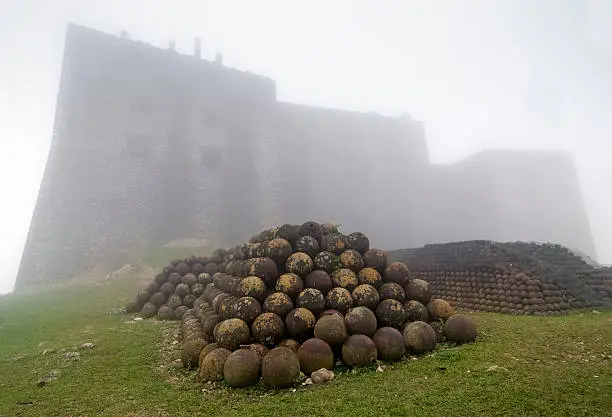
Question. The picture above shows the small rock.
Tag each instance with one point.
(73, 356)
(379, 369)
(87, 346)
(322, 375)
(137, 318)
(47, 378)
(307, 382)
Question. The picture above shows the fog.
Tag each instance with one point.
(480, 74)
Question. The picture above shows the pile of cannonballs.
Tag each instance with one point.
(303, 297)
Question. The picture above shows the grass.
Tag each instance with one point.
(536, 366)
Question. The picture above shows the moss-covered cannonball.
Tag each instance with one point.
(389, 343)
(197, 268)
(359, 350)
(189, 299)
(300, 323)
(418, 289)
(315, 354)
(345, 278)
(289, 232)
(290, 284)
(439, 309)
(227, 307)
(361, 320)
(375, 258)
(339, 299)
(332, 329)
(416, 311)
(183, 268)
(189, 279)
(190, 352)
(180, 311)
(267, 235)
(242, 368)
(204, 278)
(165, 312)
(280, 367)
(393, 291)
(370, 276)
(309, 245)
(209, 324)
(182, 290)
(390, 313)
(197, 289)
(319, 280)
(335, 243)
(206, 350)
(278, 303)
(460, 329)
(232, 333)
(311, 228)
(438, 327)
(397, 272)
(300, 264)
(278, 250)
(327, 261)
(311, 299)
(133, 307)
(268, 328)
(255, 250)
(247, 309)
(158, 299)
(175, 278)
(419, 337)
(167, 289)
(252, 286)
(359, 242)
(366, 295)
(351, 259)
(292, 344)
(211, 366)
(264, 268)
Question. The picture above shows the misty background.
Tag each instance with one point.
(480, 74)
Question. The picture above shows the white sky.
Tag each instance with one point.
(481, 74)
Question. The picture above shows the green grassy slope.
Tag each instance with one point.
(537, 366)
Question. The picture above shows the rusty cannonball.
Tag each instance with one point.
(359, 350)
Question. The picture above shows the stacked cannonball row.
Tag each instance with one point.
(600, 280)
(177, 286)
(506, 277)
(302, 298)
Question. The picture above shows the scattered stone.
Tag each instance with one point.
(71, 356)
(51, 376)
(87, 346)
(307, 382)
(322, 375)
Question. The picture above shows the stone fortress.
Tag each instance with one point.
(150, 146)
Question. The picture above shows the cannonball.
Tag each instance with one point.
(280, 367)
(289, 232)
(189, 279)
(182, 290)
(397, 272)
(232, 333)
(345, 278)
(415, 311)
(335, 243)
(268, 328)
(418, 289)
(190, 352)
(300, 264)
(389, 343)
(390, 313)
(311, 228)
(308, 245)
(359, 350)
(315, 354)
(242, 368)
(339, 299)
(370, 276)
(439, 309)
(375, 258)
(175, 278)
(366, 295)
(351, 259)
(460, 329)
(311, 299)
(278, 303)
(290, 344)
(361, 320)
(264, 268)
(419, 337)
(319, 280)
(247, 309)
(252, 286)
(438, 327)
(167, 289)
(327, 261)
(211, 366)
(278, 250)
(392, 291)
(332, 329)
(290, 284)
(300, 323)
(359, 242)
